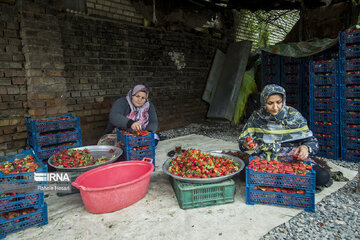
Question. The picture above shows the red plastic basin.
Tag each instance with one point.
(114, 186)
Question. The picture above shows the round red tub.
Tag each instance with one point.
(114, 186)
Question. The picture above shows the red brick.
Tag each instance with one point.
(37, 112)
(9, 130)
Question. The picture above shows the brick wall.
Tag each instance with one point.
(52, 63)
(115, 9)
(13, 93)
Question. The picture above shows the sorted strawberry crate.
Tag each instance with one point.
(349, 37)
(15, 221)
(349, 117)
(190, 195)
(350, 51)
(14, 201)
(332, 117)
(67, 121)
(351, 78)
(324, 79)
(129, 140)
(350, 91)
(329, 151)
(350, 104)
(130, 154)
(324, 66)
(18, 171)
(350, 65)
(350, 155)
(295, 200)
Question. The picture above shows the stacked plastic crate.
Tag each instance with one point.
(51, 135)
(324, 106)
(21, 197)
(280, 189)
(291, 80)
(270, 68)
(350, 95)
(136, 147)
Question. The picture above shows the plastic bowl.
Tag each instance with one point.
(114, 186)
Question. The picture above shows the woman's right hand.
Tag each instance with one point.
(136, 126)
(249, 144)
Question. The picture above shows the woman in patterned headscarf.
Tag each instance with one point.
(276, 129)
(134, 111)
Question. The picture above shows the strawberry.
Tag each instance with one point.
(249, 139)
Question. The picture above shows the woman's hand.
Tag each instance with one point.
(302, 152)
(136, 126)
(249, 144)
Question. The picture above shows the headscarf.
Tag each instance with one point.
(270, 131)
(139, 114)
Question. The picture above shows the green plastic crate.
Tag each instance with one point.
(191, 195)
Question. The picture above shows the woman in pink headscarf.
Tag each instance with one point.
(134, 111)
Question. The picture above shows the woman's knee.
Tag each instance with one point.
(322, 175)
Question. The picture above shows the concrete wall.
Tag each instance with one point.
(54, 62)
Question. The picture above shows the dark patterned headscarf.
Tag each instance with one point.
(270, 131)
(139, 114)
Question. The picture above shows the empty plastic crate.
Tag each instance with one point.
(20, 180)
(39, 217)
(305, 201)
(191, 195)
(21, 200)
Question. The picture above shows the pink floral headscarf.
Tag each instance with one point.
(139, 114)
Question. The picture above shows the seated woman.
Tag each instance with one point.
(134, 111)
(276, 128)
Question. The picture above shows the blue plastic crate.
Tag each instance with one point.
(348, 118)
(350, 51)
(291, 60)
(21, 180)
(323, 66)
(306, 182)
(349, 37)
(292, 68)
(350, 131)
(291, 79)
(350, 144)
(329, 79)
(347, 105)
(37, 142)
(47, 153)
(332, 104)
(131, 141)
(350, 65)
(138, 155)
(347, 91)
(37, 218)
(349, 79)
(305, 201)
(325, 129)
(332, 153)
(52, 124)
(350, 156)
(332, 91)
(270, 59)
(270, 79)
(270, 69)
(21, 200)
(326, 117)
(328, 141)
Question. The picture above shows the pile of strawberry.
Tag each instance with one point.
(194, 164)
(274, 166)
(24, 164)
(141, 133)
(279, 189)
(70, 158)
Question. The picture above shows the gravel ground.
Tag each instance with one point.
(335, 217)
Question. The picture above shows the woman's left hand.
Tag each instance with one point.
(302, 152)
